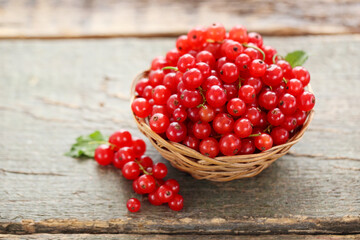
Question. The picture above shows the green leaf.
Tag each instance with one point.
(296, 58)
(85, 145)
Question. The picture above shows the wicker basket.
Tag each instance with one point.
(219, 169)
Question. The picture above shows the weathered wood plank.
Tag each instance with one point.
(53, 91)
(45, 19)
(174, 237)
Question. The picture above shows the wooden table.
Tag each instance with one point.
(53, 91)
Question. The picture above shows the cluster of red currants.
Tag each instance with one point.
(127, 153)
(224, 93)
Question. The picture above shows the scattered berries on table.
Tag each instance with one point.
(222, 93)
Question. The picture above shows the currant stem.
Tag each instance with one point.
(170, 68)
(203, 97)
(250, 46)
(276, 55)
(255, 135)
(142, 168)
(285, 81)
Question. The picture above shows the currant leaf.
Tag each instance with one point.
(296, 58)
(85, 145)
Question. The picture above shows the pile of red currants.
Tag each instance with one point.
(127, 153)
(224, 93)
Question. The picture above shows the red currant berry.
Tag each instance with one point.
(223, 123)
(165, 193)
(290, 123)
(253, 53)
(206, 57)
(138, 146)
(238, 33)
(171, 81)
(247, 146)
(158, 63)
(133, 205)
(204, 69)
(140, 85)
(236, 107)
(136, 187)
(231, 90)
(160, 171)
(201, 130)
(159, 123)
(302, 74)
(177, 203)
(255, 82)
(210, 81)
(185, 62)
(216, 96)
(159, 109)
(209, 147)
(120, 139)
(294, 87)
(123, 156)
(182, 44)
(300, 117)
(253, 114)
(176, 132)
(172, 57)
(145, 161)
(232, 50)
(230, 144)
(104, 154)
(196, 37)
(214, 49)
(286, 68)
(141, 107)
(243, 128)
(192, 142)
(131, 170)
(255, 38)
(190, 98)
(279, 135)
(206, 113)
(173, 185)
(216, 32)
(263, 142)
(146, 183)
(229, 72)
(268, 100)
(287, 104)
(172, 103)
(180, 114)
(156, 77)
(243, 62)
(147, 93)
(193, 114)
(273, 75)
(247, 93)
(192, 78)
(257, 68)
(275, 117)
(269, 54)
(161, 94)
(154, 199)
(306, 101)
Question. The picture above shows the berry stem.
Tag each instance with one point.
(276, 55)
(142, 168)
(284, 80)
(170, 68)
(255, 135)
(203, 97)
(250, 46)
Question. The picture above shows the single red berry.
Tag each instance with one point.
(131, 170)
(171, 81)
(263, 142)
(147, 93)
(193, 114)
(236, 107)
(145, 161)
(289, 123)
(156, 77)
(230, 144)
(140, 85)
(306, 101)
(268, 100)
(190, 98)
(210, 81)
(173, 184)
(138, 146)
(133, 205)
(193, 78)
(302, 74)
(255, 38)
(216, 32)
(206, 113)
(120, 139)
(201, 130)
(223, 123)
(253, 53)
(247, 93)
(154, 199)
(232, 50)
(253, 114)
(159, 109)
(231, 90)
(206, 57)
(196, 37)
(255, 83)
(275, 117)
(172, 103)
(191, 142)
(269, 54)
(146, 183)
(294, 87)
(161, 94)
(287, 104)
(104, 154)
(185, 62)
(136, 187)
(216, 96)
(160, 171)
(172, 57)
(243, 62)
(209, 147)
(177, 203)
(247, 146)
(176, 132)
(229, 72)
(273, 76)
(141, 107)
(300, 117)
(286, 68)
(165, 193)
(204, 69)
(279, 135)
(238, 33)
(180, 114)
(214, 49)
(257, 68)
(243, 127)
(182, 44)
(123, 156)
(159, 123)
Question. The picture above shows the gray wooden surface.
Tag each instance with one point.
(108, 18)
(53, 91)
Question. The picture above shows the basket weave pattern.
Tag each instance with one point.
(220, 169)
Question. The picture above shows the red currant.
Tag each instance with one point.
(306, 101)
(238, 33)
(294, 87)
(247, 146)
(216, 32)
(120, 139)
(159, 123)
(206, 57)
(230, 144)
(131, 170)
(287, 104)
(192, 142)
(123, 156)
(192, 78)
(141, 107)
(236, 107)
(156, 77)
(201, 130)
(223, 123)
(104, 154)
(275, 117)
(190, 98)
(146, 183)
(133, 205)
(209, 147)
(243, 62)
(161, 94)
(185, 62)
(177, 203)
(165, 193)
(302, 74)
(247, 93)
(243, 127)
(160, 171)
(206, 113)
(280, 135)
(268, 100)
(257, 68)
(263, 142)
(176, 132)
(173, 185)
(229, 72)
(216, 96)
(273, 75)
(145, 161)
(182, 44)
(138, 146)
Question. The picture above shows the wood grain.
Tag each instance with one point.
(53, 91)
(174, 237)
(99, 18)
